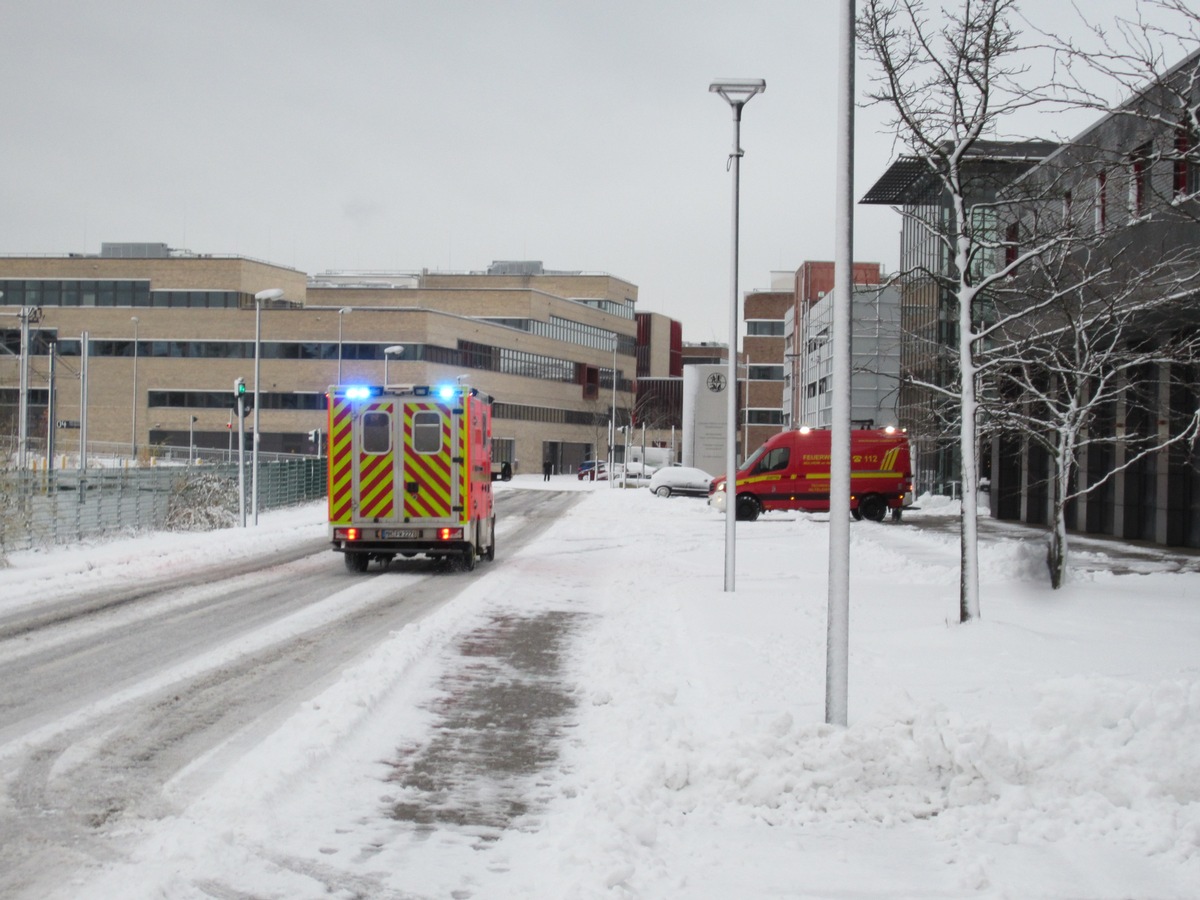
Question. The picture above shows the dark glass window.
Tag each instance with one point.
(427, 432)
(775, 461)
(376, 432)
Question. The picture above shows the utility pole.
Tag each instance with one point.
(837, 640)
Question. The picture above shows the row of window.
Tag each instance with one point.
(92, 293)
(426, 432)
(468, 355)
(309, 401)
(548, 414)
(571, 332)
(1139, 170)
(278, 400)
(624, 310)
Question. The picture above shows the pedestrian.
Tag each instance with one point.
(547, 466)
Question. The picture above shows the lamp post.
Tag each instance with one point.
(133, 425)
(341, 312)
(737, 94)
(259, 299)
(191, 440)
(388, 353)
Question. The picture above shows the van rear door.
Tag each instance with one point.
(431, 462)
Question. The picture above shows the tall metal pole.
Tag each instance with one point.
(731, 393)
(83, 401)
(133, 426)
(342, 312)
(837, 647)
(51, 407)
(737, 94)
(259, 299)
(23, 396)
(254, 446)
(241, 414)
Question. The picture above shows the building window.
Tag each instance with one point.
(1139, 180)
(766, 373)
(764, 417)
(1012, 245)
(1100, 201)
(764, 327)
(1185, 168)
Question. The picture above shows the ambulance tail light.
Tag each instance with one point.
(450, 534)
(346, 534)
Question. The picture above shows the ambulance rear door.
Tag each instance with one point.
(432, 462)
(375, 461)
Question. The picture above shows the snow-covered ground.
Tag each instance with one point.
(1049, 750)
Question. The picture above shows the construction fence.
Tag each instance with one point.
(56, 506)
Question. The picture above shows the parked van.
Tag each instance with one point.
(791, 471)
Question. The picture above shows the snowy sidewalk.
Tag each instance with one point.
(594, 717)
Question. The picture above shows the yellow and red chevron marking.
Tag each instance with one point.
(340, 460)
(464, 471)
(376, 485)
(432, 472)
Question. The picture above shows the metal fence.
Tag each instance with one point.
(43, 508)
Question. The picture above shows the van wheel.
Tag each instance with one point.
(662, 491)
(857, 513)
(873, 507)
(466, 562)
(748, 507)
(357, 562)
(490, 553)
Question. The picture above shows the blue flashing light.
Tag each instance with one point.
(358, 392)
(446, 391)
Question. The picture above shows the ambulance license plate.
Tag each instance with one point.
(398, 534)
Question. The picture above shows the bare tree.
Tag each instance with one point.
(950, 84)
(1104, 337)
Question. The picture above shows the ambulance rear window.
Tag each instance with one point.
(376, 432)
(427, 432)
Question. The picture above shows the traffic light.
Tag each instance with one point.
(239, 394)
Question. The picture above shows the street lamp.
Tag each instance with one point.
(192, 440)
(341, 312)
(388, 352)
(736, 93)
(133, 426)
(259, 299)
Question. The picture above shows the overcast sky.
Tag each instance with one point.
(444, 135)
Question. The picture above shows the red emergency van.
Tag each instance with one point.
(410, 472)
(791, 471)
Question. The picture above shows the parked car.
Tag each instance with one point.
(671, 480)
(591, 469)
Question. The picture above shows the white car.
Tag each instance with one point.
(680, 480)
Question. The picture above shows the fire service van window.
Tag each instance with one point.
(376, 432)
(427, 432)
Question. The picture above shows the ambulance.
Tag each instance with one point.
(791, 471)
(410, 473)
